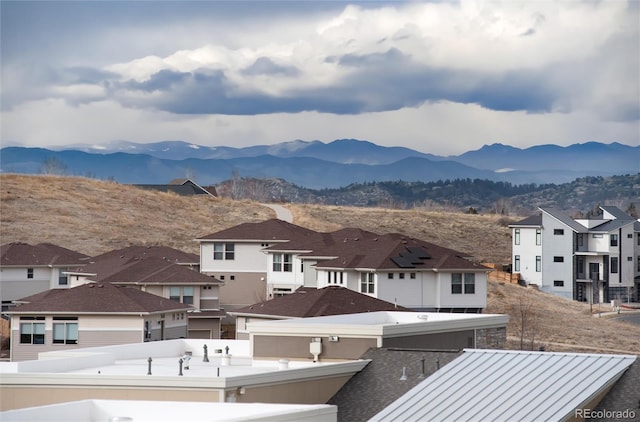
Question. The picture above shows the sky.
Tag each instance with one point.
(441, 77)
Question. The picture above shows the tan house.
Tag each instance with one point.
(29, 269)
(166, 272)
(90, 315)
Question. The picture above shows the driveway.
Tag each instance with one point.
(282, 213)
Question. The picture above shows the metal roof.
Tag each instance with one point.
(566, 219)
(509, 385)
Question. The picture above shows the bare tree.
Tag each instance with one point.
(525, 317)
(54, 166)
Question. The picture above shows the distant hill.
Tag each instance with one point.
(462, 195)
(318, 165)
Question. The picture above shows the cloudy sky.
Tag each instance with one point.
(441, 77)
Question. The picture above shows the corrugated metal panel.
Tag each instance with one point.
(508, 385)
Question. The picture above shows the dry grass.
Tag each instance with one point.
(562, 324)
(93, 217)
(486, 237)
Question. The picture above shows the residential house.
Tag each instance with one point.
(236, 256)
(260, 261)
(184, 187)
(308, 302)
(392, 267)
(93, 314)
(29, 269)
(166, 272)
(593, 260)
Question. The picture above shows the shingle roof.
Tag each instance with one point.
(115, 261)
(102, 298)
(379, 384)
(509, 385)
(395, 251)
(22, 254)
(310, 302)
(156, 270)
(269, 230)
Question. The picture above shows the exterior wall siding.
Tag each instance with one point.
(248, 257)
(298, 347)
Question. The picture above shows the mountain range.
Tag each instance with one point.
(317, 165)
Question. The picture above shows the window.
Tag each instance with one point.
(31, 332)
(29, 272)
(538, 236)
(224, 251)
(558, 283)
(282, 262)
(63, 277)
(401, 275)
(638, 264)
(412, 275)
(613, 240)
(516, 236)
(366, 283)
(187, 295)
(174, 293)
(182, 294)
(538, 263)
(457, 286)
(558, 232)
(336, 277)
(232, 277)
(390, 276)
(558, 259)
(456, 283)
(614, 265)
(630, 258)
(469, 283)
(516, 263)
(65, 330)
(629, 235)
(147, 329)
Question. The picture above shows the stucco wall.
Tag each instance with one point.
(298, 347)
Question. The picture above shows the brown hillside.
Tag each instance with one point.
(93, 216)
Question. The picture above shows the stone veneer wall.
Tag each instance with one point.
(491, 338)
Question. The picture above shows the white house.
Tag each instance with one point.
(594, 260)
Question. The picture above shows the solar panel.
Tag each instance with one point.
(402, 262)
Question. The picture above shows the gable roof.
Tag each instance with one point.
(381, 380)
(96, 298)
(112, 262)
(396, 252)
(616, 212)
(42, 254)
(264, 231)
(311, 302)
(156, 270)
(509, 385)
(565, 219)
